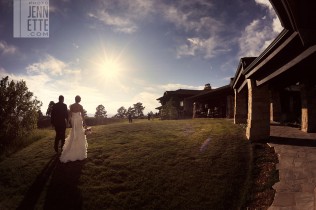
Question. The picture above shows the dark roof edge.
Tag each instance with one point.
(211, 91)
(241, 65)
(268, 50)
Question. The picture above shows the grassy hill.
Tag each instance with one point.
(184, 164)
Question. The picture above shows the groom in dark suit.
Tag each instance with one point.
(59, 118)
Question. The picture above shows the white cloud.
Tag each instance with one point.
(205, 29)
(207, 47)
(191, 21)
(184, 16)
(211, 45)
(126, 16)
(129, 13)
(51, 77)
(186, 49)
(6, 49)
(34, 82)
(179, 18)
(141, 7)
(195, 45)
(52, 66)
(120, 24)
(276, 24)
(75, 45)
(176, 86)
(49, 65)
(265, 3)
(148, 100)
(256, 37)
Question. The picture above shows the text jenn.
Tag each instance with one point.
(38, 12)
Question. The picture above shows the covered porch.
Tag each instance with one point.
(279, 85)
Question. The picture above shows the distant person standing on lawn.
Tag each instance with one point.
(130, 119)
(59, 119)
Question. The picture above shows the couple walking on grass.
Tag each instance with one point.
(74, 147)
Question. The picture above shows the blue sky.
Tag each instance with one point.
(120, 52)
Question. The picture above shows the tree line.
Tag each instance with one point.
(136, 111)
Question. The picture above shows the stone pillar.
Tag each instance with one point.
(308, 96)
(275, 106)
(194, 109)
(230, 106)
(258, 123)
(241, 106)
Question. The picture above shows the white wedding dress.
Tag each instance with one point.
(75, 147)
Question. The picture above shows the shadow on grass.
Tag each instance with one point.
(37, 187)
(291, 141)
(63, 192)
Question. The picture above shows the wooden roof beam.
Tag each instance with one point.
(251, 72)
(305, 54)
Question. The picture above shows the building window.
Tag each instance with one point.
(181, 103)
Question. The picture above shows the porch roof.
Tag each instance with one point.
(180, 93)
(288, 59)
(214, 93)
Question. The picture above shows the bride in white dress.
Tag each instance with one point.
(75, 147)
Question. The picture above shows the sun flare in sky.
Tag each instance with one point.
(109, 69)
(108, 66)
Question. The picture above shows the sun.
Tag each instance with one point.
(109, 68)
(108, 65)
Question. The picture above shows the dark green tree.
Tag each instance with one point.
(150, 113)
(139, 108)
(50, 108)
(85, 113)
(40, 114)
(121, 112)
(130, 111)
(18, 111)
(100, 112)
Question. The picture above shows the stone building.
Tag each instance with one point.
(173, 104)
(279, 85)
(208, 102)
(212, 103)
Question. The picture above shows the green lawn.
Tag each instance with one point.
(143, 165)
